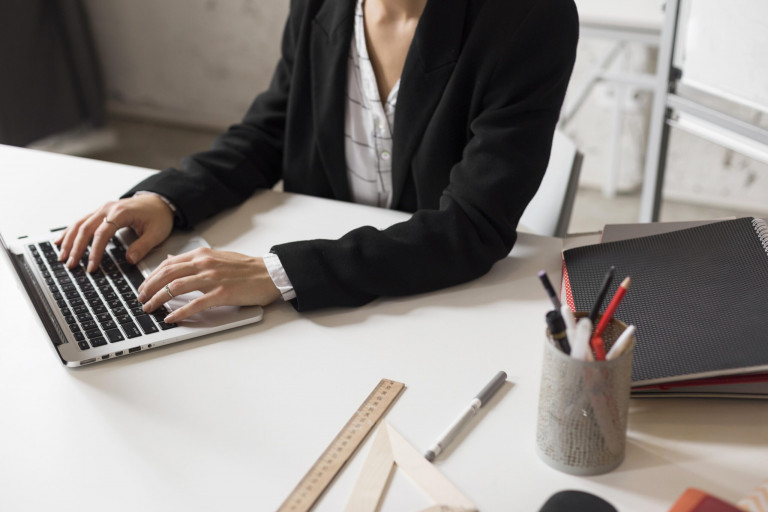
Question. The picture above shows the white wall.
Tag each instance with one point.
(203, 61)
(188, 61)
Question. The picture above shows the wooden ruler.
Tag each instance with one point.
(343, 446)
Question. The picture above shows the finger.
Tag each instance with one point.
(177, 287)
(101, 238)
(83, 238)
(150, 238)
(68, 239)
(161, 266)
(171, 259)
(162, 276)
(208, 300)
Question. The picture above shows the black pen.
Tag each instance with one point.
(550, 291)
(601, 296)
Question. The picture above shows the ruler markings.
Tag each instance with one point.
(343, 446)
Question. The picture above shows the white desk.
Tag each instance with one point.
(233, 421)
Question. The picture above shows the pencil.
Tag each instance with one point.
(607, 280)
(597, 338)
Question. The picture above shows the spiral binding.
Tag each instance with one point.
(761, 228)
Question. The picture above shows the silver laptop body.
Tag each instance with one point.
(95, 317)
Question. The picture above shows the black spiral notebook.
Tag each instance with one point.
(699, 301)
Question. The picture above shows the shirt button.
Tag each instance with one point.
(385, 155)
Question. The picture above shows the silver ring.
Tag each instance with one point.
(168, 291)
(106, 220)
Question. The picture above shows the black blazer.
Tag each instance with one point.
(480, 95)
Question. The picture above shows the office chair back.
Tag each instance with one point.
(549, 212)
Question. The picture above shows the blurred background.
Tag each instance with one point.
(144, 83)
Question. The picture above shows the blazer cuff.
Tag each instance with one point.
(278, 275)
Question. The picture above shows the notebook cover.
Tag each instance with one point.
(694, 500)
(699, 298)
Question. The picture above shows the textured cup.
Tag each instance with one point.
(582, 420)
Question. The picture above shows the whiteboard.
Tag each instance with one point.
(725, 49)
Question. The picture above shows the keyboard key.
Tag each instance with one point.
(87, 326)
(131, 330)
(134, 276)
(70, 320)
(114, 335)
(79, 336)
(83, 345)
(119, 311)
(101, 308)
(93, 333)
(95, 302)
(164, 326)
(98, 342)
(84, 317)
(77, 302)
(137, 311)
(108, 325)
(124, 319)
(104, 317)
(146, 323)
(74, 328)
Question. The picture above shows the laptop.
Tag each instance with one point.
(93, 317)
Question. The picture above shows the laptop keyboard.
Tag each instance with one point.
(100, 307)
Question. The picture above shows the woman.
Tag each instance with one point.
(443, 108)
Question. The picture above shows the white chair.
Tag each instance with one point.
(549, 212)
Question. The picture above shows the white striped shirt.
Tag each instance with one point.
(367, 140)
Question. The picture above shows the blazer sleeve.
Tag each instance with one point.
(248, 156)
(489, 188)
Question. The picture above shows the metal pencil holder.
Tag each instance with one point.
(583, 406)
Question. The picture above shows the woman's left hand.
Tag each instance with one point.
(224, 278)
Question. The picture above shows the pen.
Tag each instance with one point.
(601, 295)
(621, 344)
(557, 330)
(597, 337)
(480, 400)
(550, 291)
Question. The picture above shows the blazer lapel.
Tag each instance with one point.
(428, 66)
(329, 50)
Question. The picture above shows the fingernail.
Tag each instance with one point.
(146, 308)
(62, 256)
(91, 266)
(131, 257)
(170, 318)
(141, 297)
(70, 262)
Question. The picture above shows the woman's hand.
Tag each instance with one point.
(147, 215)
(225, 278)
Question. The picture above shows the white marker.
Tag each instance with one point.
(580, 348)
(621, 344)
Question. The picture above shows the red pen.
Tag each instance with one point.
(596, 342)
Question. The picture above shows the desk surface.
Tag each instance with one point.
(232, 421)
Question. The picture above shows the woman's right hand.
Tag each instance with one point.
(146, 214)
